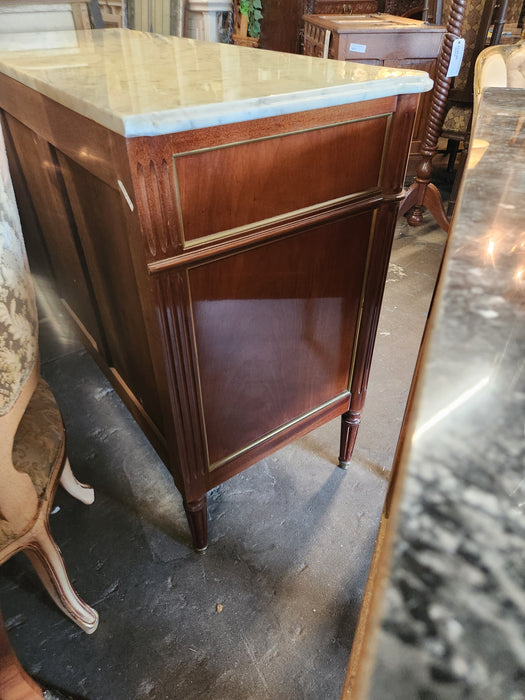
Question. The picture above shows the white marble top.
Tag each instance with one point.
(140, 84)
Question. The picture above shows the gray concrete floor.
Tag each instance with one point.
(290, 538)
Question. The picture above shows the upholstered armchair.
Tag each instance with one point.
(32, 435)
(500, 66)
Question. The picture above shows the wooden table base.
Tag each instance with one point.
(422, 193)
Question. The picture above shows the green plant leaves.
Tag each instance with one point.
(252, 9)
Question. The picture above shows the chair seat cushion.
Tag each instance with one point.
(40, 437)
(457, 122)
(7, 534)
(38, 445)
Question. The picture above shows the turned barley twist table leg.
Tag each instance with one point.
(422, 193)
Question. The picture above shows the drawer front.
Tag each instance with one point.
(385, 46)
(225, 189)
(348, 7)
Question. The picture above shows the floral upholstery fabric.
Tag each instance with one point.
(457, 121)
(37, 446)
(39, 438)
(513, 11)
(7, 534)
(18, 316)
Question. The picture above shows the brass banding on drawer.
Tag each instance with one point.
(224, 188)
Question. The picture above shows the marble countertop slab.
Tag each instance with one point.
(140, 84)
(453, 618)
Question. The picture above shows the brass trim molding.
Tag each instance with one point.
(269, 229)
(208, 149)
(280, 429)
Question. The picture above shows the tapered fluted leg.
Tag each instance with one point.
(197, 516)
(49, 565)
(349, 426)
(82, 492)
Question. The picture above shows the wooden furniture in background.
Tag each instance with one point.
(457, 120)
(282, 26)
(232, 314)
(458, 108)
(451, 109)
(113, 13)
(422, 193)
(349, 7)
(426, 10)
(385, 40)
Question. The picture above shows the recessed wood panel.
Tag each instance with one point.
(46, 187)
(97, 209)
(236, 185)
(274, 330)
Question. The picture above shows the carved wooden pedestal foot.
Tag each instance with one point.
(349, 426)
(196, 514)
(423, 193)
